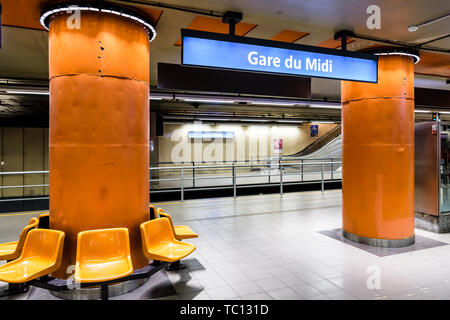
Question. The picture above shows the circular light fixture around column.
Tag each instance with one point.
(394, 51)
(66, 7)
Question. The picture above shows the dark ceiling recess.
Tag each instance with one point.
(432, 97)
(159, 125)
(27, 121)
(350, 34)
(173, 7)
(0, 25)
(174, 76)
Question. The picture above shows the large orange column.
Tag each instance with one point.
(378, 155)
(99, 129)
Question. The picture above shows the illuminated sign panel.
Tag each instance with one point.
(210, 134)
(240, 53)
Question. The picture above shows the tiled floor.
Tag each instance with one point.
(270, 247)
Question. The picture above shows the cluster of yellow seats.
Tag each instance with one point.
(102, 255)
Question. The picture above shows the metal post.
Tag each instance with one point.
(344, 43)
(302, 169)
(321, 165)
(182, 183)
(332, 169)
(234, 179)
(281, 178)
(150, 182)
(104, 292)
(193, 174)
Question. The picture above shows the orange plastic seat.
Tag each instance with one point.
(41, 255)
(159, 243)
(12, 250)
(103, 255)
(180, 232)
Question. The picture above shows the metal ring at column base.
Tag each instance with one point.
(385, 243)
(95, 293)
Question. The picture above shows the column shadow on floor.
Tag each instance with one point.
(421, 243)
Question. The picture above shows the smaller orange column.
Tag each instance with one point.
(378, 156)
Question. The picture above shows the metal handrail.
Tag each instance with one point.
(242, 165)
(275, 169)
(12, 173)
(244, 161)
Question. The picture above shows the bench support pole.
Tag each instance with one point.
(177, 265)
(15, 288)
(105, 292)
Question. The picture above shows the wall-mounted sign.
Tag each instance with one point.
(241, 53)
(314, 130)
(210, 134)
(278, 146)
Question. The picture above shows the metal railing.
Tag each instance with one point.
(275, 171)
(282, 170)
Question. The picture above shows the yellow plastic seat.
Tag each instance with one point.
(12, 250)
(103, 255)
(41, 255)
(159, 243)
(180, 232)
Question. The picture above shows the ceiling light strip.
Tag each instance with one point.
(27, 92)
(46, 14)
(415, 57)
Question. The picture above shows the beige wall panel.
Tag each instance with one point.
(251, 142)
(46, 179)
(33, 160)
(1, 160)
(13, 160)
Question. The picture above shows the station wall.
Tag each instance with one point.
(250, 142)
(24, 149)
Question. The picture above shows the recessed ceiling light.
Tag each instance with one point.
(412, 28)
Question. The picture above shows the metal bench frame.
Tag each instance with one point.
(55, 284)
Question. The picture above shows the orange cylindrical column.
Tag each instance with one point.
(99, 129)
(378, 155)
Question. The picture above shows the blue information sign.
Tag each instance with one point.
(242, 53)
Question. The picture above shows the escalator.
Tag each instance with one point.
(327, 146)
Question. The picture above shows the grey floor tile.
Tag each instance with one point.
(212, 282)
(258, 274)
(290, 279)
(221, 293)
(257, 296)
(247, 288)
(309, 276)
(341, 295)
(270, 284)
(306, 291)
(284, 294)
(321, 297)
(324, 286)
(235, 278)
(191, 285)
(198, 295)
